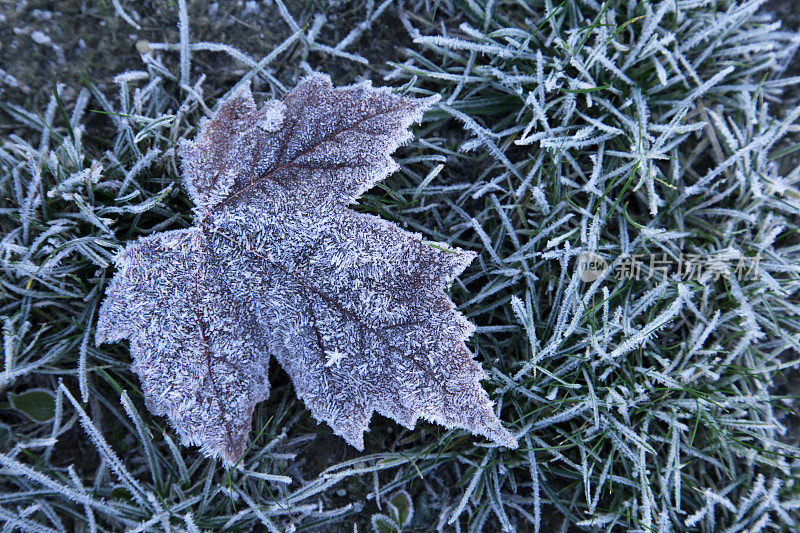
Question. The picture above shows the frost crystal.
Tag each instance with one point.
(351, 306)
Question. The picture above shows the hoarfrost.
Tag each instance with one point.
(350, 305)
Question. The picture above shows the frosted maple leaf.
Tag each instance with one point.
(350, 305)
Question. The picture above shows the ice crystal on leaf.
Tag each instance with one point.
(350, 305)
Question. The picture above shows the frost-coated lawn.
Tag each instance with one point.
(627, 174)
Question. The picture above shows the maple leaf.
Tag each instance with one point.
(350, 305)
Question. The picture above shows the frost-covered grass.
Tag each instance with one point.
(622, 128)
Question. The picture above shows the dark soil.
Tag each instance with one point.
(74, 40)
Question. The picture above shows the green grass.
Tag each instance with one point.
(617, 127)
